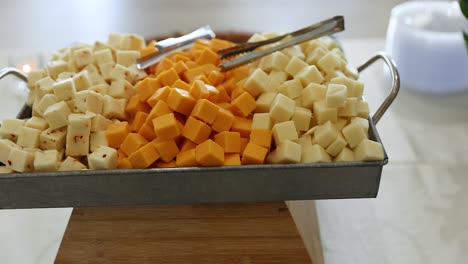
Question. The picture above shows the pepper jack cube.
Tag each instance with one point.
(97, 139)
(325, 134)
(99, 123)
(286, 152)
(78, 133)
(57, 115)
(53, 138)
(29, 137)
(54, 68)
(89, 101)
(301, 118)
(291, 88)
(37, 123)
(34, 76)
(295, 65)
(106, 70)
(323, 113)
(256, 83)
(281, 108)
(131, 42)
(314, 153)
(47, 160)
(20, 160)
(368, 150)
(103, 56)
(11, 128)
(82, 81)
(126, 57)
(120, 72)
(103, 158)
(5, 148)
(336, 95)
(113, 107)
(43, 87)
(284, 131)
(309, 74)
(209, 153)
(71, 164)
(83, 57)
(121, 89)
(354, 133)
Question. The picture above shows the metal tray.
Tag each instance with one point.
(277, 182)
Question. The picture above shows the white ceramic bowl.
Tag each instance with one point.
(425, 40)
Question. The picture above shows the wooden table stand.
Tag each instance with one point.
(266, 232)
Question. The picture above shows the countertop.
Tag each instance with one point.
(420, 215)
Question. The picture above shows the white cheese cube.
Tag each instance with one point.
(323, 113)
(83, 57)
(262, 120)
(53, 139)
(121, 89)
(31, 150)
(304, 141)
(106, 70)
(34, 76)
(132, 42)
(329, 62)
(351, 72)
(276, 79)
(325, 134)
(64, 75)
(57, 115)
(313, 93)
(11, 128)
(127, 57)
(81, 81)
(294, 51)
(369, 150)
(309, 74)
(284, 131)
(362, 109)
(46, 160)
(103, 56)
(54, 68)
(98, 139)
(78, 133)
(340, 123)
(350, 107)
(44, 103)
(120, 72)
(99, 123)
(346, 155)
(64, 90)
(43, 87)
(101, 89)
(114, 108)
(115, 40)
(291, 88)
(349, 83)
(265, 63)
(256, 83)
(281, 108)
(295, 65)
(336, 95)
(264, 101)
(72, 105)
(363, 122)
(316, 55)
(71, 164)
(314, 153)
(5, 147)
(337, 145)
(298, 101)
(137, 74)
(358, 89)
(91, 68)
(103, 158)
(279, 61)
(29, 137)
(89, 101)
(286, 152)
(4, 170)
(20, 160)
(314, 44)
(96, 79)
(301, 118)
(354, 133)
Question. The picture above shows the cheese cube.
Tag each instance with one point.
(358, 89)
(313, 93)
(43, 87)
(351, 72)
(88, 101)
(256, 83)
(4, 170)
(336, 95)
(291, 88)
(54, 68)
(98, 139)
(265, 63)
(53, 139)
(11, 128)
(264, 101)
(254, 154)
(46, 160)
(324, 113)
(286, 152)
(314, 153)
(120, 72)
(20, 160)
(304, 141)
(354, 133)
(276, 79)
(369, 150)
(281, 108)
(82, 81)
(262, 120)
(44, 103)
(31, 97)
(64, 75)
(29, 137)
(121, 89)
(295, 65)
(329, 62)
(309, 74)
(314, 44)
(96, 78)
(350, 107)
(127, 57)
(294, 51)
(5, 147)
(78, 133)
(103, 56)
(284, 131)
(103, 158)
(64, 90)
(106, 70)
(72, 105)
(83, 57)
(349, 83)
(337, 145)
(31, 150)
(325, 134)
(114, 108)
(279, 61)
(71, 164)
(316, 55)
(34, 76)
(99, 123)
(301, 118)
(57, 114)
(363, 109)
(346, 155)
(137, 74)
(256, 37)
(132, 42)
(363, 122)
(115, 40)
(340, 123)
(101, 89)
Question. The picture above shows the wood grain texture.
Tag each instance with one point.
(201, 233)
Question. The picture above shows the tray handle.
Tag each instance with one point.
(10, 70)
(395, 82)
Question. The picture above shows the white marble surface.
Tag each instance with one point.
(419, 217)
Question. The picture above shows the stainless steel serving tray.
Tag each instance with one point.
(277, 182)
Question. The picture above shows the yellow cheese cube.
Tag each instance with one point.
(313, 93)
(54, 68)
(346, 155)
(314, 153)
(340, 123)
(369, 150)
(295, 65)
(103, 158)
(286, 152)
(311, 45)
(325, 134)
(363, 122)
(127, 57)
(324, 113)
(57, 114)
(114, 108)
(276, 79)
(294, 51)
(101, 89)
(349, 83)
(4, 169)
(81, 81)
(121, 89)
(132, 42)
(336, 95)
(46, 160)
(29, 137)
(256, 83)
(64, 75)
(337, 145)
(354, 133)
(115, 40)
(265, 63)
(278, 61)
(363, 109)
(281, 108)
(71, 164)
(34, 76)
(20, 160)
(262, 120)
(97, 139)
(351, 72)
(350, 107)
(264, 102)
(329, 62)
(53, 138)
(11, 128)
(5, 147)
(309, 74)
(284, 131)
(103, 56)
(301, 118)
(96, 78)
(304, 141)
(291, 88)
(316, 55)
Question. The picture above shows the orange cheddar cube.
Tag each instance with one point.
(198, 70)
(237, 92)
(243, 105)
(124, 163)
(132, 143)
(181, 57)
(254, 154)
(244, 142)
(208, 57)
(165, 127)
(226, 106)
(186, 158)
(232, 159)
(144, 157)
(135, 105)
(187, 144)
(217, 44)
(167, 149)
(242, 125)
(209, 153)
(159, 94)
(166, 164)
(181, 101)
(215, 78)
(191, 65)
(138, 121)
(230, 141)
(180, 67)
(199, 90)
(202, 78)
(163, 65)
(223, 120)
(147, 131)
(261, 137)
(238, 73)
(146, 87)
(205, 111)
(161, 108)
(214, 93)
(196, 131)
(116, 133)
(147, 50)
(182, 85)
(168, 77)
(223, 94)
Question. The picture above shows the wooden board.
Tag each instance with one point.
(201, 233)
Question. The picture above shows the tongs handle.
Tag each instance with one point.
(174, 44)
(326, 27)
